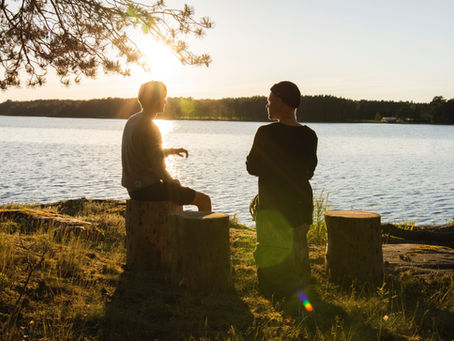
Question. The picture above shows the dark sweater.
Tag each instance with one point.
(284, 158)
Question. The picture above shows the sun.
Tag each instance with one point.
(163, 64)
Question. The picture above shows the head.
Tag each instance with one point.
(152, 96)
(283, 100)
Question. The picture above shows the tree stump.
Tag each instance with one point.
(201, 250)
(354, 250)
(147, 236)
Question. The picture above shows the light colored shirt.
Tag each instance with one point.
(142, 156)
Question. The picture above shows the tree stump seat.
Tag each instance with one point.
(188, 248)
(354, 250)
(147, 236)
(201, 250)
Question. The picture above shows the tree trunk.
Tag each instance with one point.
(354, 251)
(147, 236)
(201, 246)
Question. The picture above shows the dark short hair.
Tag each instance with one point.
(150, 92)
(288, 92)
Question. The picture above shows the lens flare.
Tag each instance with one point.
(303, 298)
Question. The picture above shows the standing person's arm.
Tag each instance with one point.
(312, 156)
(254, 160)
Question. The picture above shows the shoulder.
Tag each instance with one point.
(136, 116)
(268, 128)
(134, 119)
(308, 131)
(263, 132)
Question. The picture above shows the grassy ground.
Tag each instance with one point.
(72, 286)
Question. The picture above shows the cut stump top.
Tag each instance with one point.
(351, 214)
(199, 215)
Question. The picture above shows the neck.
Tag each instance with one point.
(289, 119)
(150, 112)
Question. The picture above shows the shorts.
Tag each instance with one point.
(164, 191)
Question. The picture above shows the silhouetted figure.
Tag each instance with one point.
(284, 157)
(144, 170)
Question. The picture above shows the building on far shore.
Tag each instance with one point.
(389, 119)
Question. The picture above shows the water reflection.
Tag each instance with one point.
(399, 171)
(165, 126)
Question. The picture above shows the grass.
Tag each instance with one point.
(75, 288)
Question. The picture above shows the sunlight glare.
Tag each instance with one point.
(165, 127)
(162, 62)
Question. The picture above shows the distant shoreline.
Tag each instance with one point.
(212, 119)
(320, 108)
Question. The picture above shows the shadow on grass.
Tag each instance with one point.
(146, 308)
(317, 317)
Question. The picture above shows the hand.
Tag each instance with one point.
(180, 152)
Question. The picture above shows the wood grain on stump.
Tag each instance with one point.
(147, 236)
(201, 246)
(354, 250)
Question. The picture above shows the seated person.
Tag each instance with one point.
(143, 159)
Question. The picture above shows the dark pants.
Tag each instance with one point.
(164, 191)
(281, 255)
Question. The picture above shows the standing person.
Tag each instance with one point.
(143, 159)
(284, 157)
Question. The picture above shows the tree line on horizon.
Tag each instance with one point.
(320, 108)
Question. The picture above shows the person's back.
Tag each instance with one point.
(141, 147)
(284, 157)
(284, 160)
(144, 172)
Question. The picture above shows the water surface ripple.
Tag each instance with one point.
(403, 172)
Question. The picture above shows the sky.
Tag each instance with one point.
(358, 49)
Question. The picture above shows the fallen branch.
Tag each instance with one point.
(428, 234)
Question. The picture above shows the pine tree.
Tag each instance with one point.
(77, 37)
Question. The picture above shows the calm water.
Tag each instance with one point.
(400, 171)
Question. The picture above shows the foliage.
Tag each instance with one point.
(313, 109)
(76, 37)
(317, 231)
(442, 110)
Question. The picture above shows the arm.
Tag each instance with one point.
(254, 161)
(154, 153)
(176, 151)
(312, 156)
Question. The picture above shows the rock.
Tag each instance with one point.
(35, 219)
(32, 220)
(419, 259)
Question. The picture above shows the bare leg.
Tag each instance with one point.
(202, 201)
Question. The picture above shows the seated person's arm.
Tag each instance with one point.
(175, 151)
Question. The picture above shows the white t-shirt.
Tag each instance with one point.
(142, 156)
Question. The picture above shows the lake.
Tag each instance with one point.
(403, 172)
